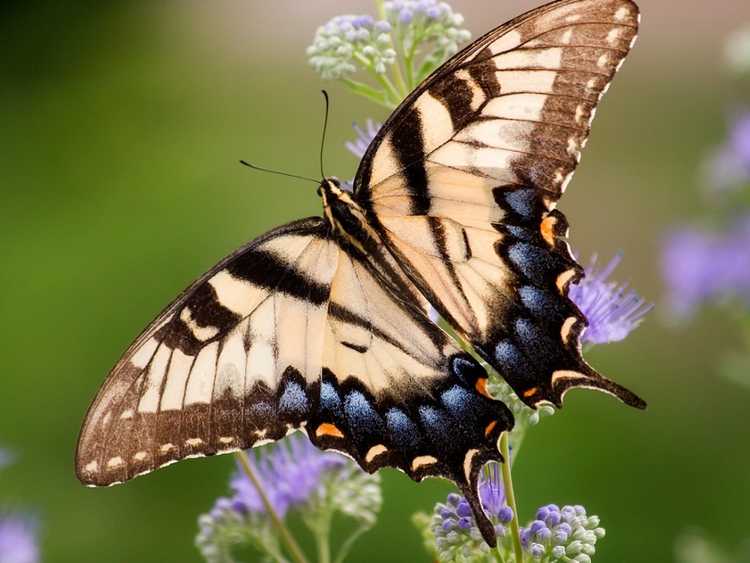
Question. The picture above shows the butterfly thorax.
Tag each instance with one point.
(345, 216)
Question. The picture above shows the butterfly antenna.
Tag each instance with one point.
(279, 172)
(325, 127)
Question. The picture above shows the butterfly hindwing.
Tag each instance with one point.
(395, 390)
(463, 178)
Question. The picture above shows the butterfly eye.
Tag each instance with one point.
(319, 191)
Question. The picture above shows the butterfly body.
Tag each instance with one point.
(322, 325)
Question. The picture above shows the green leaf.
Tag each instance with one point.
(366, 91)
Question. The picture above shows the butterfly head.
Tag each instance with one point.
(330, 186)
(343, 213)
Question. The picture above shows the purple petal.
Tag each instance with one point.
(363, 138)
(613, 311)
(18, 542)
(704, 266)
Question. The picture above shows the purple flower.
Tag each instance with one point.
(290, 475)
(365, 136)
(561, 534)
(703, 266)
(612, 310)
(729, 166)
(293, 474)
(453, 521)
(18, 542)
(350, 42)
(492, 494)
(557, 534)
(431, 10)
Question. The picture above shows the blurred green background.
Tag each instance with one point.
(122, 124)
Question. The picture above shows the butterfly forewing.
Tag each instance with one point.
(204, 378)
(463, 179)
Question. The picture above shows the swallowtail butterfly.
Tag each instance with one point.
(322, 325)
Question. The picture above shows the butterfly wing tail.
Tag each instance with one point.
(470, 491)
(587, 378)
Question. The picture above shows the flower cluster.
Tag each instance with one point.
(411, 38)
(702, 266)
(427, 30)
(452, 532)
(612, 310)
(294, 475)
(711, 265)
(562, 534)
(453, 526)
(18, 532)
(290, 475)
(348, 41)
(556, 534)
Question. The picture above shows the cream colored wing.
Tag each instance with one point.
(224, 367)
(463, 179)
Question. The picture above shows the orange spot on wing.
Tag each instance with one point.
(481, 386)
(490, 427)
(530, 392)
(328, 429)
(547, 229)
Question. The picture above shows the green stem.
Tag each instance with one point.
(511, 497)
(347, 545)
(272, 550)
(324, 547)
(393, 94)
(409, 63)
(390, 89)
(284, 532)
(397, 74)
(399, 78)
(497, 555)
(322, 530)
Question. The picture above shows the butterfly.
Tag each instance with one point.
(323, 326)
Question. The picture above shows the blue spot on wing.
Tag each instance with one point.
(435, 423)
(361, 416)
(509, 358)
(534, 341)
(537, 264)
(463, 406)
(294, 399)
(329, 399)
(542, 303)
(401, 429)
(522, 201)
(520, 232)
